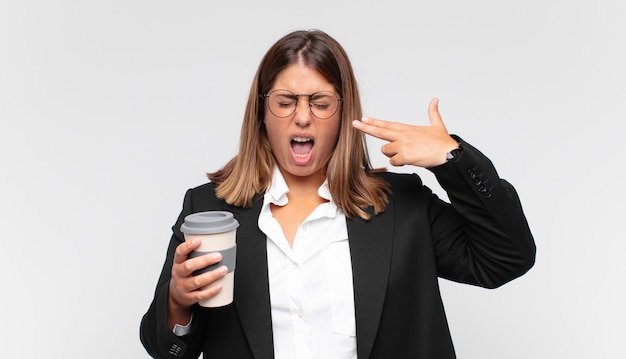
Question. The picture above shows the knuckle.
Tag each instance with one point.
(181, 249)
(187, 267)
(196, 281)
(180, 254)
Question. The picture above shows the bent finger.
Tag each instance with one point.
(198, 282)
(182, 251)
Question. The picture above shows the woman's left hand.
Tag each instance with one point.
(423, 146)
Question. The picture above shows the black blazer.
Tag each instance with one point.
(397, 256)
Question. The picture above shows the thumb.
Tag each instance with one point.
(433, 113)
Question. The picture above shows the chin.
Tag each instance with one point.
(302, 171)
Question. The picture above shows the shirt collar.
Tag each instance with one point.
(277, 192)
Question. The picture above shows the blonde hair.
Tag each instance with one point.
(352, 181)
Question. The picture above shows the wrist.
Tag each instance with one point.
(177, 313)
(454, 153)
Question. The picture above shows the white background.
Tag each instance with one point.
(110, 110)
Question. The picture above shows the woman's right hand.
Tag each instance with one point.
(185, 288)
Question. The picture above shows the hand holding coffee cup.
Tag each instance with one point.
(216, 230)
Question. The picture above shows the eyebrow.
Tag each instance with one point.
(321, 93)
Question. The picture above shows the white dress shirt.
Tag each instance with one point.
(311, 292)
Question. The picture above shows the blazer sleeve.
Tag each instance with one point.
(483, 238)
(156, 337)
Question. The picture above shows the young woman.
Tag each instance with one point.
(335, 259)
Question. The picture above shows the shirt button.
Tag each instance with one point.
(300, 313)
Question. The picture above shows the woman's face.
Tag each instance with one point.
(301, 142)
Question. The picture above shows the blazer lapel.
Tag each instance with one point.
(370, 248)
(251, 283)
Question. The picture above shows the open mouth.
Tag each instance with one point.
(302, 146)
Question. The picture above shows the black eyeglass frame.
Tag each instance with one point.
(297, 96)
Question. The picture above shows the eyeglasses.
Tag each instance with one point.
(283, 103)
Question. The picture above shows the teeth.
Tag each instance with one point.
(301, 139)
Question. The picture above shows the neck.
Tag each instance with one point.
(303, 184)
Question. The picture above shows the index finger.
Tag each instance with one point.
(183, 250)
(384, 130)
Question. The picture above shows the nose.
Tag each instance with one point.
(303, 115)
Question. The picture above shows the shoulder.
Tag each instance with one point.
(203, 196)
(405, 187)
(400, 180)
(204, 189)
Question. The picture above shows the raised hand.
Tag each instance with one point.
(423, 146)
